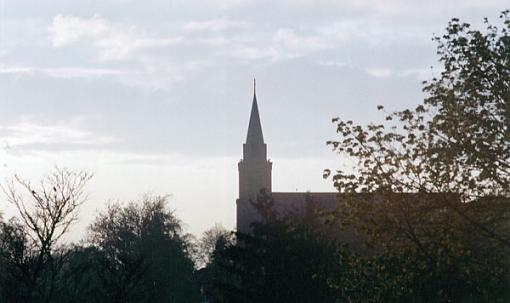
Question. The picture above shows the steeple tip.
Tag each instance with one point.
(254, 128)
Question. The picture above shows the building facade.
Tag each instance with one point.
(255, 176)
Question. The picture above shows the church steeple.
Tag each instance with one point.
(254, 170)
(255, 135)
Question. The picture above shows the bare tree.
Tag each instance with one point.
(46, 212)
(207, 244)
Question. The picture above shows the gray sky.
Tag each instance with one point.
(154, 96)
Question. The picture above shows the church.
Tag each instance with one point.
(255, 176)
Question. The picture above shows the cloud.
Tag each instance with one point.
(28, 133)
(372, 32)
(246, 52)
(62, 72)
(393, 8)
(416, 73)
(152, 76)
(380, 72)
(113, 42)
(157, 56)
(289, 40)
(281, 44)
(215, 25)
(388, 7)
(19, 33)
(156, 61)
(147, 59)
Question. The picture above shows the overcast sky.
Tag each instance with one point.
(154, 96)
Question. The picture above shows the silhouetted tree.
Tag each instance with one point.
(30, 245)
(78, 279)
(210, 248)
(436, 180)
(142, 254)
(207, 244)
(280, 261)
(2, 265)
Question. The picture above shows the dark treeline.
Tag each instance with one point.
(132, 253)
(427, 203)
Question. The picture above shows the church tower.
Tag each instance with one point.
(254, 170)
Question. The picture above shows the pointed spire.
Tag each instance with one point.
(254, 128)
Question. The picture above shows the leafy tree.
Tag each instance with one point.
(430, 190)
(78, 278)
(471, 102)
(279, 262)
(143, 256)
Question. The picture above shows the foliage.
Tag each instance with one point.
(279, 262)
(78, 279)
(142, 254)
(471, 102)
(136, 253)
(430, 190)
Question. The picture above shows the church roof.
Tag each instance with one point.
(295, 202)
(254, 128)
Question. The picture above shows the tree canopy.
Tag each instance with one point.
(142, 254)
(439, 175)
